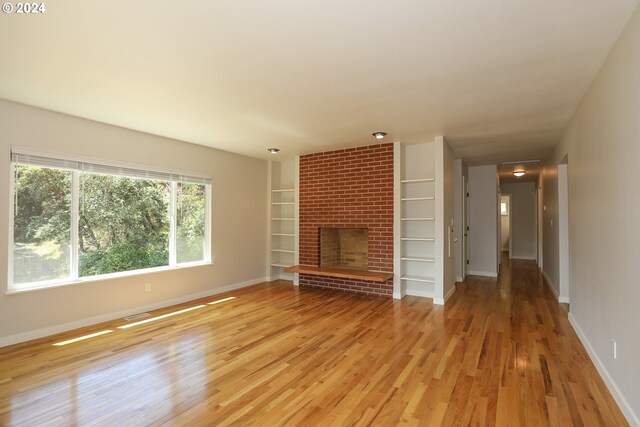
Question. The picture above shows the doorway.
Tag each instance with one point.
(465, 227)
(505, 224)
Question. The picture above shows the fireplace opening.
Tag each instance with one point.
(344, 248)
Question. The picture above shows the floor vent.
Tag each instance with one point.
(137, 316)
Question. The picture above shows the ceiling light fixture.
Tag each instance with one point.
(519, 173)
(273, 150)
(379, 135)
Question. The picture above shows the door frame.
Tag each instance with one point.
(465, 225)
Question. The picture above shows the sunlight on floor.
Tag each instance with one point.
(221, 300)
(164, 316)
(82, 338)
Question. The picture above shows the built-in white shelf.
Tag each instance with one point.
(283, 227)
(407, 181)
(418, 279)
(418, 239)
(413, 199)
(418, 259)
(416, 210)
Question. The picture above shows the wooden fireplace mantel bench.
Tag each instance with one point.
(373, 276)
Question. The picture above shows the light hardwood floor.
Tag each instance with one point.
(500, 353)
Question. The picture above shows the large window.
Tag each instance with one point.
(73, 220)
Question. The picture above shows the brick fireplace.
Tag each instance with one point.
(348, 189)
(344, 248)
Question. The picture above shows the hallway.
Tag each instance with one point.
(545, 375)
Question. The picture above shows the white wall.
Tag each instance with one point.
(483, 221)
(523, 219)
(504, 226)
(239, 213)
(602, 142)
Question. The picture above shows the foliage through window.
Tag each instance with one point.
(124, 223)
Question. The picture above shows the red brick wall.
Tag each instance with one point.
(348, 188)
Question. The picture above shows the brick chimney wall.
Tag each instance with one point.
(348, 188)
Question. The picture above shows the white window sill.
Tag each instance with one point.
(20, 289)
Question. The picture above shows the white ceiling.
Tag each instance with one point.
(498, 78)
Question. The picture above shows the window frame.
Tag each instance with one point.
(74, 278)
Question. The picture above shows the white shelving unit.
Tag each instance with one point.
(283, 224)
(416, 200)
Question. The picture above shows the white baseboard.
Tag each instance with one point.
(550, 284)
(526, 257)
(442, 301)
(631, 417)
(459, 279)
(450, 293)
(56, 329)
(561, 299)
(483, 273)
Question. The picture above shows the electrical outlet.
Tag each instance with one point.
(614, 349)
(147, 287)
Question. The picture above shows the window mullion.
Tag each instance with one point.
(75, 222)
(173, 205)
(207, 223)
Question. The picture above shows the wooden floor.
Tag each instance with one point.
(500, 353)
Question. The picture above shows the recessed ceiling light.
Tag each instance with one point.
(379, 135)
(273, 150)
(519, 173)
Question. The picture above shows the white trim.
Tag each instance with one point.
(482, 273)
(443, 301)
(208, 202)
(10, 235)
(398, 285)
(450, 293)
(459, 279)
(439, 226)
(296, 225)
(631, 417)
(526, 258)
(56, 329)
(269, 255)
(74, 263)
(564, 300)
(173, 221)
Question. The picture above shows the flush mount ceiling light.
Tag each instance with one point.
(273, 150)
(379, 135)
(519, 172)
